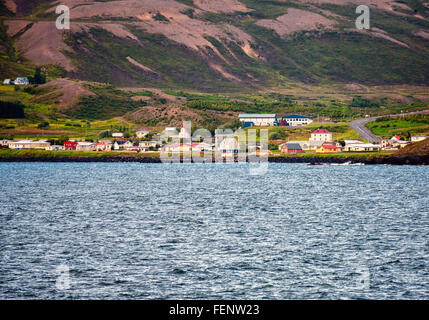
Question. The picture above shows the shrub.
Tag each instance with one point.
(160, 17)
(44, 124)
(104, 134)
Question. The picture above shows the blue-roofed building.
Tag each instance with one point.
(259, 120)
(297, 120)
(22, 81)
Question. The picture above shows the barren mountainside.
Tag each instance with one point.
(219, 45)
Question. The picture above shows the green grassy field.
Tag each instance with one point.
(402, 126)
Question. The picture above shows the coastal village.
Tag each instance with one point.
(321, 140)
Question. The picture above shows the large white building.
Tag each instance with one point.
(359, 146)
(259, 120)
(321, 135)
(297, 120)
(86, 146)
(28, 144)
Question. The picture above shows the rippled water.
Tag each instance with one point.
(186, 231)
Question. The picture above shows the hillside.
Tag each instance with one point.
(222, 45)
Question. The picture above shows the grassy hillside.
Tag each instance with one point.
(102, 57)
(208, 63)
(402, 126)
(393, 52)
(107, 103)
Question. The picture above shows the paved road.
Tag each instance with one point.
(359, 126)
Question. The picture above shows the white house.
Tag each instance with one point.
(117, 135)
(170, 130)
(55, 148)
(394, 143)
(86, 146)
(104, 146)
(168, 134)
(184, 133)
(418, 138)
(259, 120)
(121, 145)
(321, 135)
(229, 146)
(219, 137)
(297, 120)
(361, 147)
(22, 81)
(4, 142)
(28, 144)
(142, 134)
(178, 148)
(201, 147)
(149, 144)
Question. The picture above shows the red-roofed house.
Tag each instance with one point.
(396, 138)
(321, 135)
(328, 148)
(292, 148)
(70, 145)
(103, 146)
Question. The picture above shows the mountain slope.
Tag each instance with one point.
(223, 45)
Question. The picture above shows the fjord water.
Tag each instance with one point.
(209, 231)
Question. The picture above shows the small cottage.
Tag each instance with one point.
(291, 148)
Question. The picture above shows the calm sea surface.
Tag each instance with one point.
(209, 231)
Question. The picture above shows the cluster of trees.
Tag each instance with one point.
(60, 140)
(7, 137)
(282, 107)
(279, 135)
(11, 110)
(361, 102)
(234, 124)
(222, 106)
(43, 125)
(38, 78)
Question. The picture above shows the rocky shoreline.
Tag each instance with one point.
(392, 160)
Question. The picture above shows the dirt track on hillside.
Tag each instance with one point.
(297, 20)
(70, 91)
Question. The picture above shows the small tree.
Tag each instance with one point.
(408, 135)
(273, 147)
(63, 139)
(44, 124)
(104, 134)
(275, 136)
(234, 124)
(39, 77)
